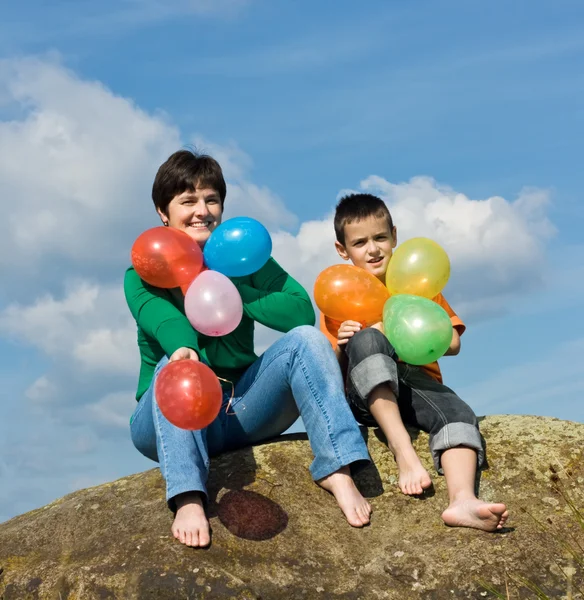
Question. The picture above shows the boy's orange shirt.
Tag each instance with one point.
(330, 328)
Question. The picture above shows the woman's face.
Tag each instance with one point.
(196, 213)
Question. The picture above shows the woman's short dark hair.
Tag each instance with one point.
(186, 170)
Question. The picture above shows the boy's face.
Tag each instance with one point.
(369, 244)
(196, 213)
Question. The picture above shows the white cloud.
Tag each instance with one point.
(109, 350)
(245, 198)
(41, 391)
(496, 246)
(76, 169)
(76, 164)
(113, 410)
(90, 325)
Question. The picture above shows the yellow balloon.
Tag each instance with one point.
(420, 267)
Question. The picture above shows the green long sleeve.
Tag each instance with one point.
(157, 316)
(274, 299)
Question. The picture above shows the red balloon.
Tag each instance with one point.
(188, 394)
(166, 257)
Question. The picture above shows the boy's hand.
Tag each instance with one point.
(346, 331)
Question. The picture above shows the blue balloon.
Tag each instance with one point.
(239, 246)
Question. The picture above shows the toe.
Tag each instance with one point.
(194, 539)
(353, 518)
(204, 537)
(190, 538)
(364, 515)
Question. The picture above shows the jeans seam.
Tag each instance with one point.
(320, 405)
(433, 405)
(162, 445)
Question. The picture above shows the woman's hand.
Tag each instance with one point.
(184, 354)
(347, 330)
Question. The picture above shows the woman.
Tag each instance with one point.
(298, 374)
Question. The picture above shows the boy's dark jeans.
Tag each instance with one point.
(423, 402)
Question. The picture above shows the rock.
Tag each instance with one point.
(277, 535)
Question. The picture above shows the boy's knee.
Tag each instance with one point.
(463, 413)
(369, 341)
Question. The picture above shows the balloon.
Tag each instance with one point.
(419, 266)
(166, 257)
(188, 394)
(419, 329)
(346, 292)
(239, 246)
(213, 304)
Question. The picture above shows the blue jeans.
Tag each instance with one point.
(298, 375)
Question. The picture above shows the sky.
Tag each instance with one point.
(467, 118)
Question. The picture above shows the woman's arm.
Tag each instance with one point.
(275, 299)
(157, 316)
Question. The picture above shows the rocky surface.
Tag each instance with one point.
(277, 535)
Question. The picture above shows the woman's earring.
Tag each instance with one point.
(165, 223)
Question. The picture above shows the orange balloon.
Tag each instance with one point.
(188, 393)
(346, 292)
(166, 257)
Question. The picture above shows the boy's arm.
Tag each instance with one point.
(454, 348)
(458, 327)
(275, 299)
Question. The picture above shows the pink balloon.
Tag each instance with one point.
(213, 304)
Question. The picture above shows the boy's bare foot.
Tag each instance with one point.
(341, 485)
(190, 526)
(472, 512)
(413, 478)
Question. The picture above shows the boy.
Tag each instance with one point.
(384, 391)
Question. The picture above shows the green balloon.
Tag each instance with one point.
(419, 329)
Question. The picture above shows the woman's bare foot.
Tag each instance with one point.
(341, 485)
(413, 478)
(190, 526)
(472, 512)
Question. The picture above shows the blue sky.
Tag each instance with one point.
(467, 118)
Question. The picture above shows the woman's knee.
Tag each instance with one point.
(161, 364)
(142, 431)
(307, 335)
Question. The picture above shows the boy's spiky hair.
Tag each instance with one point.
(356, 207)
